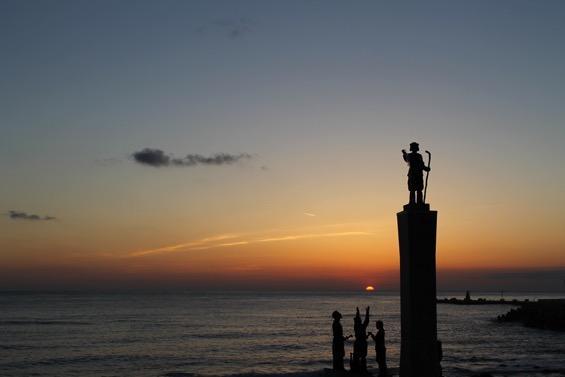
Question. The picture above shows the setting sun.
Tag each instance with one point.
(369, 288)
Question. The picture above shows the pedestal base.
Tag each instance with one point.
(417, 242)
(417, 207)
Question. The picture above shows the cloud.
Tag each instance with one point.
(310, 214)
(503, 279)
(557, 273)
(157, 158)
(151, 157)
(230, 240)
(216, 159)
(19, 215)
(186, 245)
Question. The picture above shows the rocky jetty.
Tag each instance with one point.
(544, 314)
(480, 301)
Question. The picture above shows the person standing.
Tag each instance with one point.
(338, 342)
(359, 362)
(380, 348)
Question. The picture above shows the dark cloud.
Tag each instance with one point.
(151, 157)
(216, 159)
(18, 215)
(556, 274)
(157, 158)
(517, 279)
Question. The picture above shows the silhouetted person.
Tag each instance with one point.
(415, 173)
(338, 346)
(380, 349)
(359, 363)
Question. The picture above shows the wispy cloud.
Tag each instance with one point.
(20, 215)
(157, 158)
(310, 214)
(243, 239)
(193, 245)
(313, 235)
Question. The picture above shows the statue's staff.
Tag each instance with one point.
(427, 174)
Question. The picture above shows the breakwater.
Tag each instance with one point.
(544, 314)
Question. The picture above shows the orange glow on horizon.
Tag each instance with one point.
(339, 255)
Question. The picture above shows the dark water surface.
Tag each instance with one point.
(142, 335)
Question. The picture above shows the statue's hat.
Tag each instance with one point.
(414, 146)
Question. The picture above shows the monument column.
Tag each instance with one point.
(419, 354)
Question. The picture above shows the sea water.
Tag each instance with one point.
(213, 334)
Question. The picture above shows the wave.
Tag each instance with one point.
(91, 359)
(15, 347)
(251, 374)
(241, 334)
(326, 372)
(17, 322)
(531, 371)
(279, 347)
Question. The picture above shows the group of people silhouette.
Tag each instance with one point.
(358, 358)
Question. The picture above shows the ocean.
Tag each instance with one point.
(213, 334)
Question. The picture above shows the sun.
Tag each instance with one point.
(369, 288)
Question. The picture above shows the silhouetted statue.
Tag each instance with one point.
(380, 349)
(359, 362)
(338, 346)
(415, 173)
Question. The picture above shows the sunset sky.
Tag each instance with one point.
(280, 125)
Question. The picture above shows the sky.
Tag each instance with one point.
(256, 144)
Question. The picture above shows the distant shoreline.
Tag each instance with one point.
(481, 301)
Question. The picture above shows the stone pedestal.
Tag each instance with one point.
(417, 244)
